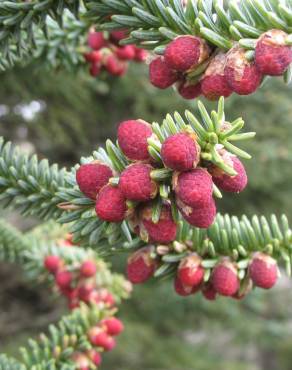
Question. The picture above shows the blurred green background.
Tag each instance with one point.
(62, 117)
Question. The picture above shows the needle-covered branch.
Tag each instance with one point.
(29, 184)
(209, 136)
(229, 259)
(155, 23)
(20, 19)
(62, 46)
(47, 192)
(233, 237)
(207, 48)
(85, 280)
(8, 363)
(34, 250)
(76, 342)
(156, 188)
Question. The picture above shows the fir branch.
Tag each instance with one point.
(28, 184)
(237, 238)
(154, 23)
(38, 189)
(55, 349)
(60, 47)
(30, 250)
(73, 258)
(69, 339)
(12, 243)
(19, 20)
(49, 231)
(8, 363)
(212, 132)
(229, 236)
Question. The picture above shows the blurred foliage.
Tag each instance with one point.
(74, 114)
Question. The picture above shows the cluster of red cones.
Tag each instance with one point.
(107, 55)
(77, 283)
(102, 339)
(224, 73)
(133, 194)
(190, 278)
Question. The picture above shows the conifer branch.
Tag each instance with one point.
(56, 350)
(8, 363)
(23, 181)
(30, 251)
(234, 237)
(36, 188)
(12, 243)
(69, 343)
(28, 184)
(212, 132)
(61, 46)
(64, 46)
(241, 237)
(155, 23)
(20, 20)
(49, 29)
